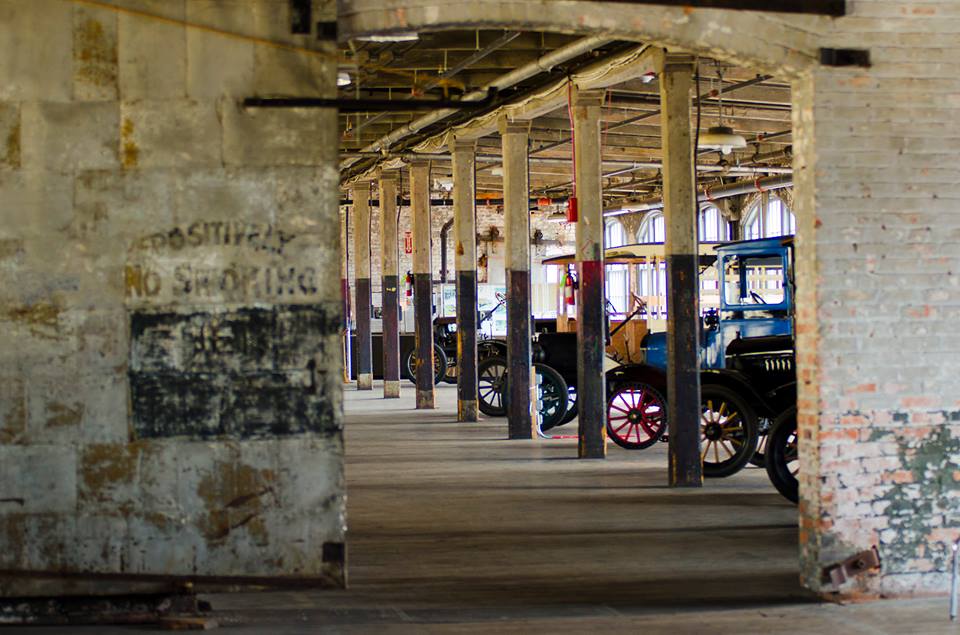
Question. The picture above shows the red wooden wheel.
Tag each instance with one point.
(636, 416)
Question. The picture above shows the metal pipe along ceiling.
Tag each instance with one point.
(545, 63)
(708, 195)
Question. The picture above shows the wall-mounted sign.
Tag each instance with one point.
(408, 242)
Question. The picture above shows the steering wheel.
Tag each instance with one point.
(500, 297)
(756, 298)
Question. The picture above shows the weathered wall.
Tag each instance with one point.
(170, 401)
(878, 277)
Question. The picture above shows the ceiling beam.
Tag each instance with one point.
(813, 7)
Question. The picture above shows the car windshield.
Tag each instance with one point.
(753, 280)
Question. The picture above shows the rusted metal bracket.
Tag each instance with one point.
(854, 566)
(371, 105)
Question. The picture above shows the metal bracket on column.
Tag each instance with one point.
(853, 566)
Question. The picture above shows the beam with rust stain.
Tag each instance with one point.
(422, 283)
(683, 319)
(465, 232)
(390, 282)
(811, 7)
(516, 213)
(361, 241)
(591, 318)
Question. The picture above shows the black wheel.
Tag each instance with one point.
(571, 413)
(553, 396)
(728, 431)
(636, 415)
(439, 365)
(759, 457)
(492, 386)
(782, 458)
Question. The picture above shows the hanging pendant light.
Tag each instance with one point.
(721, 137)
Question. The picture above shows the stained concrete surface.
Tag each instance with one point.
(454, 529)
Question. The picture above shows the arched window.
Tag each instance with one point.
(712, 226)
(776, 219)
(617, 279)
(651, 229)
(613, 234)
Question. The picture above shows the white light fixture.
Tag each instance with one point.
(406, 36)
(343, 78)
(721, 137)
(648, 77)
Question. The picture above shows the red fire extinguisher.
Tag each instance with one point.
(568, 288)
(409, 284)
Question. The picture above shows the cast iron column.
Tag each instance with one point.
(422, 283)
(389, 283)
(516, 212)
(465, 258)
(591, 317)
(361, 249)
(683, 289)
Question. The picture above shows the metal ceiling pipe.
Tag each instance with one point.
(497, 44)
(630, 166)
(708, 195)
(545, 63)
(775, 155)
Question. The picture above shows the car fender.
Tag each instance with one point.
(637, 373)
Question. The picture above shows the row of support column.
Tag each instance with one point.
(682, 266)
(516, 220)
(390, 284)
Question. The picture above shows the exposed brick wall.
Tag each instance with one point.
(879, 283)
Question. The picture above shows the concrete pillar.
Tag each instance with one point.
(591, 318)
(422, 282)
(345, 293)
(171, 392)
(683, 302)
(465, 258)
(361, 274)
(390, 283)
(516, 211)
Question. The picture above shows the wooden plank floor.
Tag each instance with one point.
(452, 528)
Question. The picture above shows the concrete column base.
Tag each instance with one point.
(391, 389)
(425, 400)
(365, 381)
(467, 411)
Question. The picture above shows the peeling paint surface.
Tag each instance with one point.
(247, 373)
(170, 392)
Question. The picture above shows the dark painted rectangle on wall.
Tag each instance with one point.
(243, 373)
